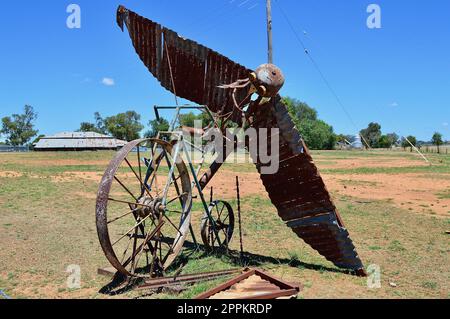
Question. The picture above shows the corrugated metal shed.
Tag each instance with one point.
(78, 141)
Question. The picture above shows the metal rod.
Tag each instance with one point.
(202, 197)
(239, 215)
(162, 282)
(269, 30)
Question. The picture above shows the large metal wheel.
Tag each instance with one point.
(143, 210)
(218, 234)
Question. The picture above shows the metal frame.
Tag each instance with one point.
(286, 289)
(180, 147)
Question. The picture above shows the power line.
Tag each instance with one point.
(211, 14)
(218, 21)
(318, 69)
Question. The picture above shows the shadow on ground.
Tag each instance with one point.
(122, 284)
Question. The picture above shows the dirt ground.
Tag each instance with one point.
(396, 207)
(415, 192)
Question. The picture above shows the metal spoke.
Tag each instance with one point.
(126, 250)
(129, 203)
(174, 199)
(122, 216)
(174, 211)
(126, 234)
(154, 178)
(134, 249)
(171, 223)
(147, 239)
(139, 162)
(126, 188)
(221, 211)
(140, 180)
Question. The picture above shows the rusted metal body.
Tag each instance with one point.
(268, 79)
(297, 189)
(298, 192)
(253, 284)
(197, 70)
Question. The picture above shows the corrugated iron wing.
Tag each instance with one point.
(197, 70)
(298, 192)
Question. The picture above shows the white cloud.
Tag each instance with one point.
(108, 81)
(394, 104)
(445, 124)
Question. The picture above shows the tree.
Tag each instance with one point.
(300, 110)
(190, 118)
(372, 134)
(412, 140)
(19, 129)
(97, 127)
(89, 127)
(157, 126)
(393, 138)
(100, 123)
(124, 126)
(37, 139)
(316, 133)
(437, 140)
(384, 142)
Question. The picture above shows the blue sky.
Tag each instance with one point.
(398, 75)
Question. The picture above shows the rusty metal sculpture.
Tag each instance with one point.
(203, 76)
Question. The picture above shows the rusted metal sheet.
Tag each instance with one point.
(253, 284)
(303, 201)
(197, 70)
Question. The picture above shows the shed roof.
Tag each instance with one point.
(79, 140)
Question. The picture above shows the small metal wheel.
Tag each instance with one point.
(143, 210)
(220, 234)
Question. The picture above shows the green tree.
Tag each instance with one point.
(89, 127)
(100, 124)
(385, 142)
(189, 119)
(437, 140)
(300, 110)
(124, 126)
(97, 127)
(412, 140)
(37, 139)
(393, 138)
(372, 134)
(316, 133)
(157, 126)
(19, 128)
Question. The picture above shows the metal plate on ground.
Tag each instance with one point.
(253, 284)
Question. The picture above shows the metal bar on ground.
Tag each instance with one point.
(162, 282)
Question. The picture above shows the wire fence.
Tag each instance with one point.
(13, 149)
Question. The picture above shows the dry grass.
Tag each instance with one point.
(47, 222)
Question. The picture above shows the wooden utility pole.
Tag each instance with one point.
(269, 30)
